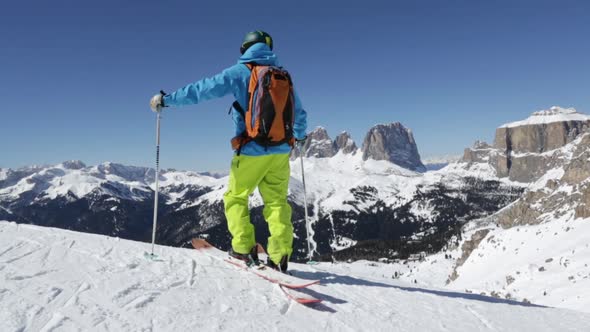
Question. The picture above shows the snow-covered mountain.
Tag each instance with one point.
(57, 280)
(109, 198)
(536, 248)
(375, 196)
(525, 150)
(352, 200)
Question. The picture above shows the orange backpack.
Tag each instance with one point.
(271, 108)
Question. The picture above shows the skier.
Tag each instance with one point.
(257, 163)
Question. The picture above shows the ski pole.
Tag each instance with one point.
(157, 181)
(305, 205)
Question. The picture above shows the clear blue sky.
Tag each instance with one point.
(76, 76)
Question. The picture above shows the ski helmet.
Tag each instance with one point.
(254, 37)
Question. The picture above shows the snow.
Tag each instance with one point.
(441, 159)
(74, 178)
(548, 262)
(552, 174)
(61, 280)
(554, 114)
(330, 180)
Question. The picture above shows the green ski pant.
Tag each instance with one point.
(270, 173)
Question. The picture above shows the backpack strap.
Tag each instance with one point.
(238, 108)
(239, 141)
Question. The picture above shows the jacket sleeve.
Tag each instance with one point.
(300, 123)
(205, 89)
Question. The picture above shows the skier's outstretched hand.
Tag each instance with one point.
(157, 102)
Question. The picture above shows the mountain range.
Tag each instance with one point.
(522, 200)
(378, 194)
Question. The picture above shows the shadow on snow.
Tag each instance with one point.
(331, 278)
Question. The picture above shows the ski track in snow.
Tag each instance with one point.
(54, 323)
(106, 285)
(485, 322)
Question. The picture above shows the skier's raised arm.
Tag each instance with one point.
(208, 88)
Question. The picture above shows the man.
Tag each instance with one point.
(254, 165)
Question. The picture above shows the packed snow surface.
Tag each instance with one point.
(57, 280)
(554, 114)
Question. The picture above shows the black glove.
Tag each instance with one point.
(300, 142)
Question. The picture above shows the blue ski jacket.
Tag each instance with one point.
(236, 79)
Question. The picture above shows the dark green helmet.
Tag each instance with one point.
(254, 37)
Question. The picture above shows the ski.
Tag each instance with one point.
(289, 284)
(299, 296)
(273, 276)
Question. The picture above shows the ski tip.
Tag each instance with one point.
(303, 285)
(308, 301)
(299, 297)
(201, 244)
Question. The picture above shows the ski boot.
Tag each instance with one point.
(281, 267)
(251, 259)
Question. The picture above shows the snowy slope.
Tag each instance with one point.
(330, 180)
(546, 264)
(60, 280)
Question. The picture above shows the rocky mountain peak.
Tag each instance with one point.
(481, 145)
(392, 142)
(344, 143)
(73, 164)
(318, 144)
(319, 134)
(395, 143)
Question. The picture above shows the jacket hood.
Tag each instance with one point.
(261, 54)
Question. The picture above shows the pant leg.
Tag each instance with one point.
(277, 211)
(245, 174)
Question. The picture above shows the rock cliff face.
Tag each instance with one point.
(318, 144)
(392, 142)
(395, 143)
(345, 143)
(562, 192)
(523, 151)
(480, 152)
(551, 151)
